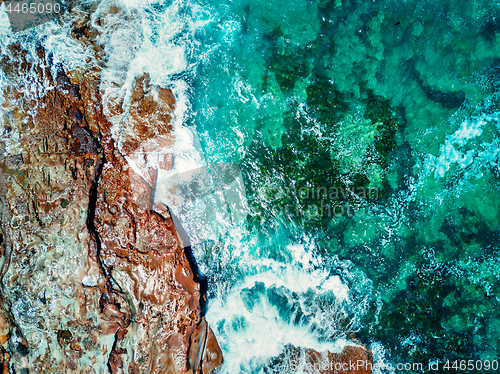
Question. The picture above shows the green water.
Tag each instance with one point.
(370, 96)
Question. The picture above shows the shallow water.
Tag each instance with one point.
(396, 97)
(367, 136)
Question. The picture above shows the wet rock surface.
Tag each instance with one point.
(353, 359)
(94, 276)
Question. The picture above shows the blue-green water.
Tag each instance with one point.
(368, 139)
(401, 97)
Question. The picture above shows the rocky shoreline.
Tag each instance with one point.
(94, 276)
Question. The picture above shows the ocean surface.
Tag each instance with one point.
(367, 136)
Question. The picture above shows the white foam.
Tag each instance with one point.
(253, 337)
(382, 364)
(452, 152)
(5, 28)
(250, 338)
(160, 43)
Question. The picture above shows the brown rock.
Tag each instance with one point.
(354, 359)
(44, 196)
(148, 119)
(90, 266)
(212, 357)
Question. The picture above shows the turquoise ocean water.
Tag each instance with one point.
(367, 134)
(397, 97)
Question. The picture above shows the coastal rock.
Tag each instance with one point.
(94, 276)
(354, 359)
(147, 260)
(212, 357)
(46, 176)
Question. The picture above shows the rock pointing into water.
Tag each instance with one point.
(94, 277)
